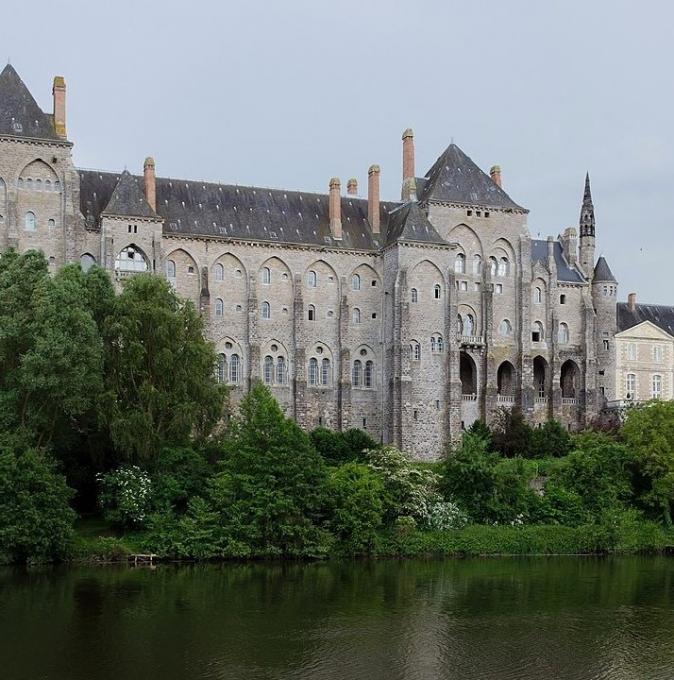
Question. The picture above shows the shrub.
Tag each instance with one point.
(126, 496)
(179, 474)
(337, 448)
(550, 440)
(511, 436)
(36, 521)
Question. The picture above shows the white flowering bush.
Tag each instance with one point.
(412, 491)
(126, 496)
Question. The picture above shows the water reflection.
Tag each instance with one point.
(501, 619)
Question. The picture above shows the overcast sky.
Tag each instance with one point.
(289, 94)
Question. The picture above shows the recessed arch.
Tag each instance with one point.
(132, 258)
(468, 373)
(541, 376)
(569, 377)
(505, 379)
(468, 240)
(367, 275)
(186, 278)
(38, 170)
(87, 261)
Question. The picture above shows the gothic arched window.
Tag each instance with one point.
(268, 371)
(219, 272)
(266, 310)
(219, 308)
(356, 373)
(30, 222)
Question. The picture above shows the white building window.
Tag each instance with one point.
(313, 371)
(281, 371)
(656, 387)
(325, 371)
(538, 295)
(631, 386)
(355, 282)
(503, 267)
(563, 334)
(234, 369)
(493, 266)
(415, 348)
(170, 270)
(632, 351)
(87, 261)
(131, 259)
(268, 370)
(537, 332)
(415, 295)
(219, 272)
(505, 328)
(312, 279)
(658, 353)
(266, 276)
(460, 263)
(356, 374)
(355, 315)
(221, 369)
(29, 222)
(219, 308)
(498, 289)
(369, 373)
(266, 310)
(477, 265)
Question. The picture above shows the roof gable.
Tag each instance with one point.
(647, 330)
(20, 115)
(565, 272)
(408, 222)
(128, 199)
(455, 178)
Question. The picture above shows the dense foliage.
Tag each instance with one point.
(109, 406)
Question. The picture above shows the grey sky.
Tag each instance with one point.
(288, 94)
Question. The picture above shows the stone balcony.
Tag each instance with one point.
(505, 399)
(470, 340)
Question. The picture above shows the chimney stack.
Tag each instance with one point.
(373, 197)
(352, 187)
(409, 184)
(150, 182)
(495, 174)
(335, 208)
(632, 302)
(59, 93)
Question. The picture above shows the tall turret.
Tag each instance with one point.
(587, 229)
(604, 300)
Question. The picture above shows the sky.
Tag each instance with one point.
(289, 94)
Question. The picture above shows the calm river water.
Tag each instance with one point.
(528, 619)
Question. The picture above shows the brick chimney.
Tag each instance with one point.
(495, 174)
(632, 302)
(352, 187)
(150, 182)
(335, 208)
(59, 93)
(373, 197)
(409, 189)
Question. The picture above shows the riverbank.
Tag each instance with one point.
(471, 541)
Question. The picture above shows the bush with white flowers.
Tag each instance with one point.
(126, 496)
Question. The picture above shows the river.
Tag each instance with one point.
(497, 619)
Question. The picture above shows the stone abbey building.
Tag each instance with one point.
(408, 319)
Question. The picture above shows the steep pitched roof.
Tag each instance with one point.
(660, 315)
(408, 222)
(565, 272)
(455, 178)
(128, 199)
(602, 272)
(246, 213)
(20, 115)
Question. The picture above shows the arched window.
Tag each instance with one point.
(441, 344)
(369, 373)
(477, 265)
(432, 343)
(30, 222)
(537, 332)
(87, 261)
(221, 372)
(436, 291)
(219, 272)
(355, 282)
(493, 266)
(170, 269)
(415, 295)
(656, 387)
(311, 313)
(415, 348)
(219, 308)
(503, 267)
(268, 372)
(355, 315)
(51, 226)
(313, 371)
(266, 310)
(460, 263)
(505, 328)
(234, 369)
(538, 295)
(356, 373)
(47, 185)
(563, 334)
(312, 279)
(631, 386)
(266, 276)
(131, 259)
(281, 371)
(325, 371)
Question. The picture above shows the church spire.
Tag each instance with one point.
(587, 224)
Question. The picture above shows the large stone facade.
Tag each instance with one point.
(408, 319)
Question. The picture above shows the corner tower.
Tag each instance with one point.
(587, 231)
(604, 300)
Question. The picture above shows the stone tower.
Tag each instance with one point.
(604, 299)
(587, 231)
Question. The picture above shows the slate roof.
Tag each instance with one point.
(249, 213)
(455, 178)
(408, 222)
(128, 198)
(660, 315)
(565, 272)
(602, 272)
(20, 115)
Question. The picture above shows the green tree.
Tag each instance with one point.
(648, 432)
(354, 494)
(342, 447)
(36, 521)
(511, 435)
(552, 439)
(160, 383)
(179, 474)
(271, 491)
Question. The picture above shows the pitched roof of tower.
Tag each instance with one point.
(128, 199)
(660, 315)
(455, 178)
(408, 222)
(20, 115)
(602, 272)
(565, 271)
(245, 213)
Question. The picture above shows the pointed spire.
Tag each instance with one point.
(586, 222)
